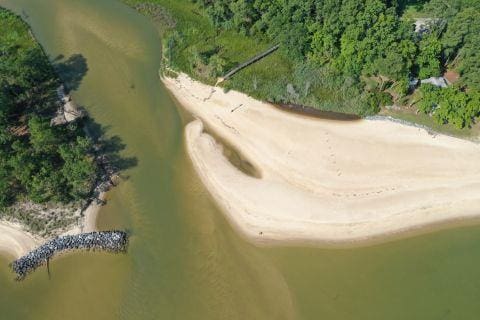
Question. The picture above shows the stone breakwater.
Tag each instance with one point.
(111, 241)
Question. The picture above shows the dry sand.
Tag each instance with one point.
(15, 241)
(89, 221)
(323, 180)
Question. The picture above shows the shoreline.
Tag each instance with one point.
(16, 241)
(410, 191)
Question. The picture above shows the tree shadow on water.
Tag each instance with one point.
(109, 149)
(71, 70)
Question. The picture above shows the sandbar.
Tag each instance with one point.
(323, 180)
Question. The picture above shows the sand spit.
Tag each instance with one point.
(323, 180)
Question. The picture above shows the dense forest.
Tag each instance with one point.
(340, 55)
(370, 39)
(39, 162)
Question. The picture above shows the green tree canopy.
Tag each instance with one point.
(38, 161)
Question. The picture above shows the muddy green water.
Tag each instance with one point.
(185, 261)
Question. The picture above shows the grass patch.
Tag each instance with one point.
(426, 120)
(198, 41)
(196, 47)
(14, 30)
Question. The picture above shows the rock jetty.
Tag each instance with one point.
(111, 241)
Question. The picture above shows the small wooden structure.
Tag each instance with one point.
(247, 63)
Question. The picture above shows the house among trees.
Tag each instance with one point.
(436, 81)
(422, 25)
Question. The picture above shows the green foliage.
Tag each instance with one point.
(402, 87)
(429, 58)
(171, 42)
(42, 136)
(328, 48)
(461, 38)
(371, 102)
(449, 9)
(6, 193)
(430, 98)
(450, 105)
(79, 169)
(452, 108)
(38, 161)
(462, 43)
(217, 65)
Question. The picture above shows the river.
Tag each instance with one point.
(185, 261)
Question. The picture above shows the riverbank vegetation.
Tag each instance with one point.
(344, 56)
(44, 166)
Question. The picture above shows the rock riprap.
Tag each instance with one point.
(110, 241)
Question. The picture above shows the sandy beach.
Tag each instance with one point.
(16, 241)
(323, 180)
